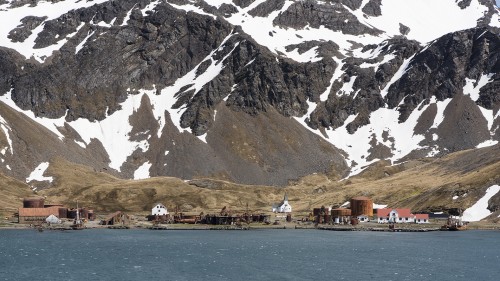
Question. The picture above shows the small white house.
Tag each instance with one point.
(363, 218)
(283, 207)
(159, 210)
(421, 218)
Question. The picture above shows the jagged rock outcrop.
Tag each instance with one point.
(205, 92)
(332, 16)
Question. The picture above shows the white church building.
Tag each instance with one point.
(159, 210)
(283, 207)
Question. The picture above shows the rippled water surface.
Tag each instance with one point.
(103, 254)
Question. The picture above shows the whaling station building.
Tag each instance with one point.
(361, 210)
(35, 211)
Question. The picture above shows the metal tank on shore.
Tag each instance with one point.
(361, 205)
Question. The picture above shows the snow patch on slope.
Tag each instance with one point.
(479, 210)
(473, 87)
(427, 19)
(6, 128)
(399, 137)
(38, 172)
(142, 172)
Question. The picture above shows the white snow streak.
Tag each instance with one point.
(80, 46)
(480, 210)
(191, 8)
(401, 71)
(336, 75)
(441, 106)
(6, 128)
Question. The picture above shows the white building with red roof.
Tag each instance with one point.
(421, 218)
(395, 216)
(387, 215)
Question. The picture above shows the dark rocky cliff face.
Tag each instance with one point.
(246, 110)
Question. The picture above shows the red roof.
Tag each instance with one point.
(422, 216)
(402, 213)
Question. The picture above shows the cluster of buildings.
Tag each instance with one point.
(35, 211)
(360, 210)
(160, 214)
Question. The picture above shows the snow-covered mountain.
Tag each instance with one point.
(253, 91)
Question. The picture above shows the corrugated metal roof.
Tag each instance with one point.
(39, 212)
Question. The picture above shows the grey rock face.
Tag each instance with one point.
(22, 32)
(243, 3)
(403, 29)
(97, 77)
(441, 69)
(333, 16)
(264, 9)
(372, 8)
(246, 109)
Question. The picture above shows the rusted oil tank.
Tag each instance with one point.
(341, 212)
(327, 218)
(63, 213)
(33, 202)
(84, 213)
(361, 206)
(289, 217)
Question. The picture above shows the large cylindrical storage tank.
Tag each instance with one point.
(361, 206)
(33, 202)
(341, 212)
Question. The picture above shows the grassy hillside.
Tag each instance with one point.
(12, 193)
(423, 185)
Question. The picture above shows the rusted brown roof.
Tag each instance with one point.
(108, 218)
(39, 212)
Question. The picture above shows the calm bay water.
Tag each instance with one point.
(248, 255)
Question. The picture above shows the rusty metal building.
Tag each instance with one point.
(36, 215)
(116, 218)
